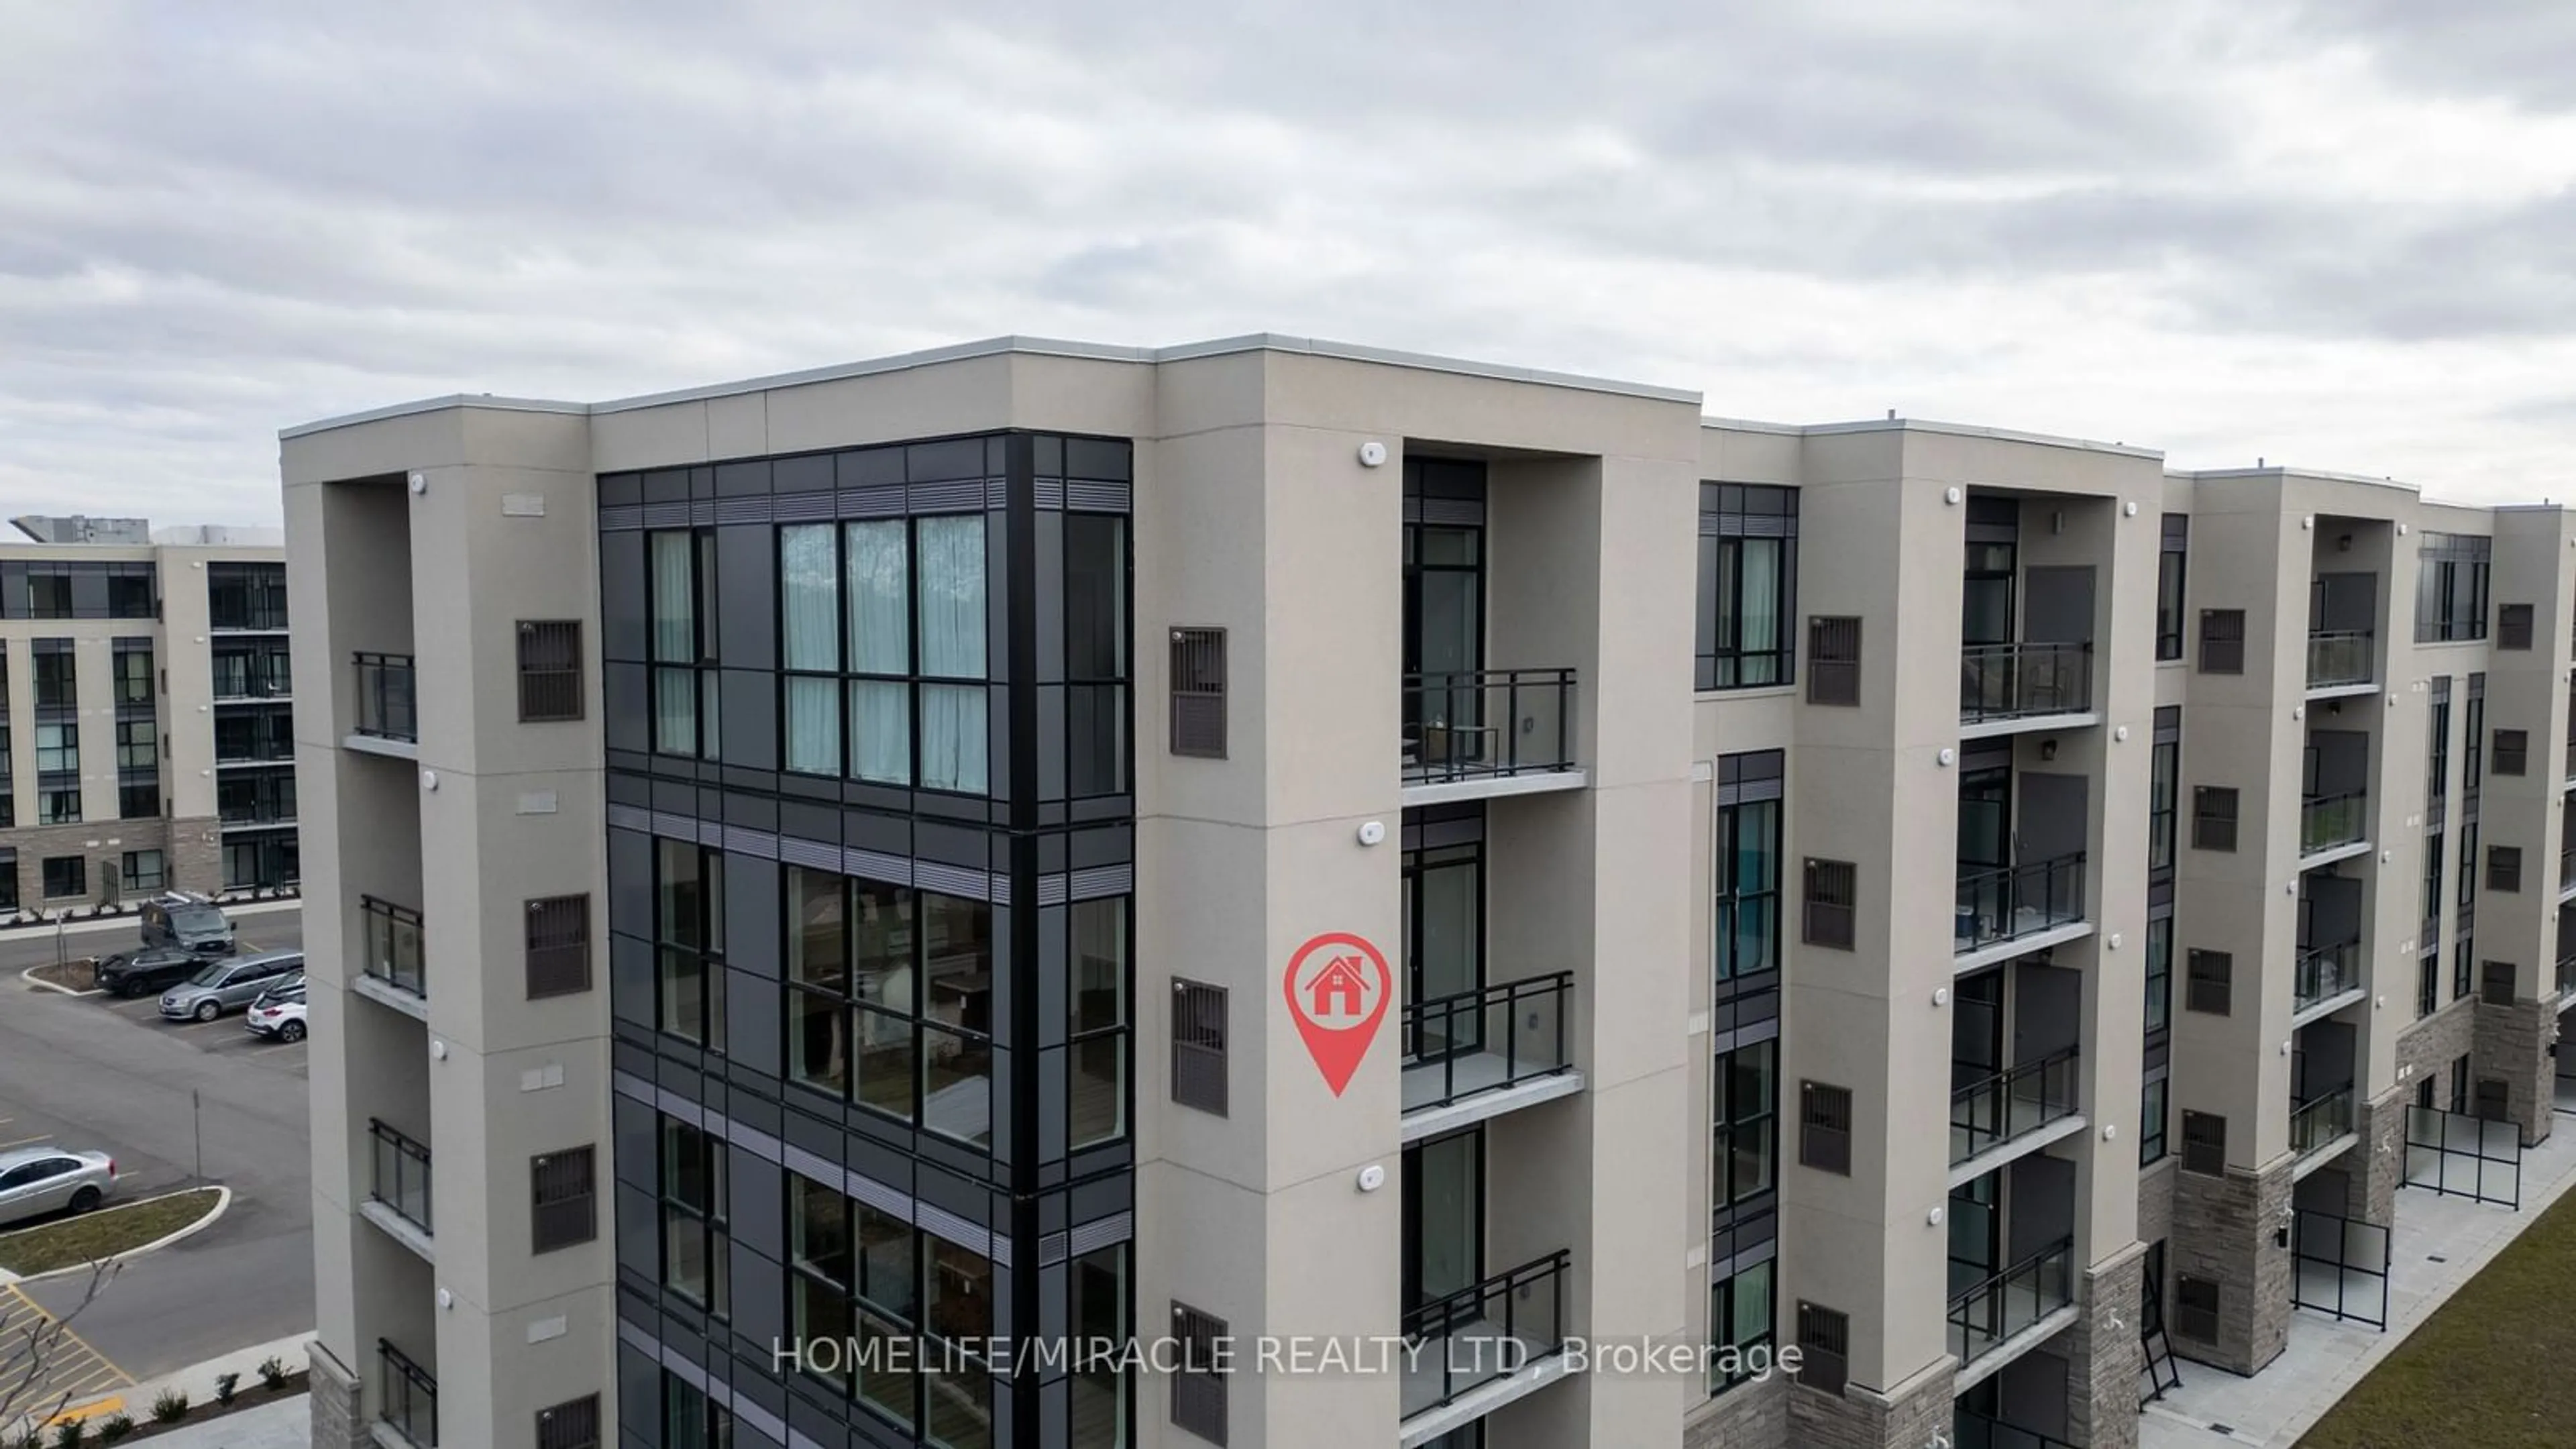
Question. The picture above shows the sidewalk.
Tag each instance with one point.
(2439, 1244)
(126, 920)
(271, 1426)
(285, 1424)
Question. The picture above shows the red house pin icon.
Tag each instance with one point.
(1338, 986)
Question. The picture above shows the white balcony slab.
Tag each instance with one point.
(1478, 1343)
(2329, 1007)
(2001, 951)
(2300, 1169)
(2013, 1149)
(1986, 729)
(1994, 1360)
(2333, 853)
(2343, 691)
(379, 745)
(376, 988)
(399, 1228)
(1432, 1118)
(1492, 787)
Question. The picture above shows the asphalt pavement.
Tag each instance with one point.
(94, 1072)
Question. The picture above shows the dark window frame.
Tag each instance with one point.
(1199, 1075)
(2204, 1143)
(551, 671)
(2209, 982)
(557, 939)
(2222, 641)
(2214, 816)
(1198, 692)
(2510, 752)
(1825, 1127)
(563, 1193)
(1830, 903)
(1834, 660)
(2172, 569)
(1736, 1123)
(2504, 868)
(1728, 523)
(694, 1205)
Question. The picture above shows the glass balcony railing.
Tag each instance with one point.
(410, 1397)
(2320, 1121)
(2012, 1103)
(393, 945)
(2011, 681)
(2326, 972)
(1484, 1332)
(2566, 974)
(1484, 1040)
(2326, 821)
(401, 1177)
(2338, 657)
(1975, 1431)
(1991, 1312)
(385, 705)
(1487, 725)
(2013, 901)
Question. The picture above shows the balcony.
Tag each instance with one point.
(385, 703)
(2000, 684)
(393, 970)
(2011, 1105)
(1491, 732)
(2319, 1127)
(398, 1187)
(1976, 1431)
(2566, 980)
(1481, 1053)
(1483, 1346)
(2015, 902)
(2018, 1300)
(2324, 974)
(2332, 822)
(2339, 658)
(409, 1395)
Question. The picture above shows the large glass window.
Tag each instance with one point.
(1748, 889)
(920, 1307)
(1741, 1309)
(2154, 1109)
(1746, 1112)
(1748, 567)
(57, 747)
(133, 661)
(891, 1000)
(682, 580)
(691, 1420)
(2163, 790)
(2437, 768)
(1097, 1287)
(138, 744)
(2159, 968)
(56, 674)
(888, 615)
(1096, 1101)
(688, 925)
(694, 1204)
(2451, 587)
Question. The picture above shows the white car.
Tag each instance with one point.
(35, 1181)
(278, 1013)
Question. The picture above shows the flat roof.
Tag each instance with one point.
(1927, 425)
(1026, 346)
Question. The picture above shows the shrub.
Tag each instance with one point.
(70, 1434)
(170, 1408)
(272, 1372)
(226, 1385)
(113, 1428)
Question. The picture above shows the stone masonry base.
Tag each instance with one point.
(2104, 1355)
(1748, 1416)
(1917, 1414)
(339, 1417)
(2513, 1043)
(2375, 1164)
(2224, 1231)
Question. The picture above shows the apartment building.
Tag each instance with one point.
(137, 754)
(825, 886)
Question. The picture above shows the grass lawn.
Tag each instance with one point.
(102, 1234)
(2475, 1373)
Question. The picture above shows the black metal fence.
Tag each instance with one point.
(2321, 1121)
(2009, 681)
(410, 1397)
(1487, 723)
(1486, 1331)
(1976, 1431)
(401, 1179)
(2019, 900)
(386, 709)
(2325, 972)
(2012, 1103)
(1478, 1041)
(2012, 1300)
(393, 942)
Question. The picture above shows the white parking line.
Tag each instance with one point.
(28, 1141)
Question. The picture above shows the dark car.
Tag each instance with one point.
(154, 968)
(183, 918)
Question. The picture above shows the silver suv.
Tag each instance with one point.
(230, 985)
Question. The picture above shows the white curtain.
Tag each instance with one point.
(878, 577)
(675, 714)
(1760, 621)
(813, 725)
(674, 627)
(808, 608)
(951, 575)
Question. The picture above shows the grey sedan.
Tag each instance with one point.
(35, 1181)
(230, 985)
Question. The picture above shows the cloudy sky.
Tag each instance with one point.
(2341, 235)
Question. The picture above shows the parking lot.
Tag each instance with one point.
(175, 1103)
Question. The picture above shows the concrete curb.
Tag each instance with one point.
(126, 920)
(197, 1381)
(31, 978)
(223, 1202)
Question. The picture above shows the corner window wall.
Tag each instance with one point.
(889, 617)
(1748, 586)
(893, 1000)
(2451, 587)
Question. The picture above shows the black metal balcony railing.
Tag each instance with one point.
(2010, 681)
(1976, 1431)
(2012, 1300)
(2319, 1121)
(385, 705)
(2338, 657)
(230, 687)
(261, 618)
(1487, 724)
(2325, 972)
(2012, 901)
(2566, 974)
(2326, 821)
(2012, 1103)
(401, 1179)
(393, 943)
(410, 1397)
(1485, 1331)
(1485, 1040)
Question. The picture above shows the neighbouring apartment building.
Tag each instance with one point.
(145, 730)
(824, 886)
